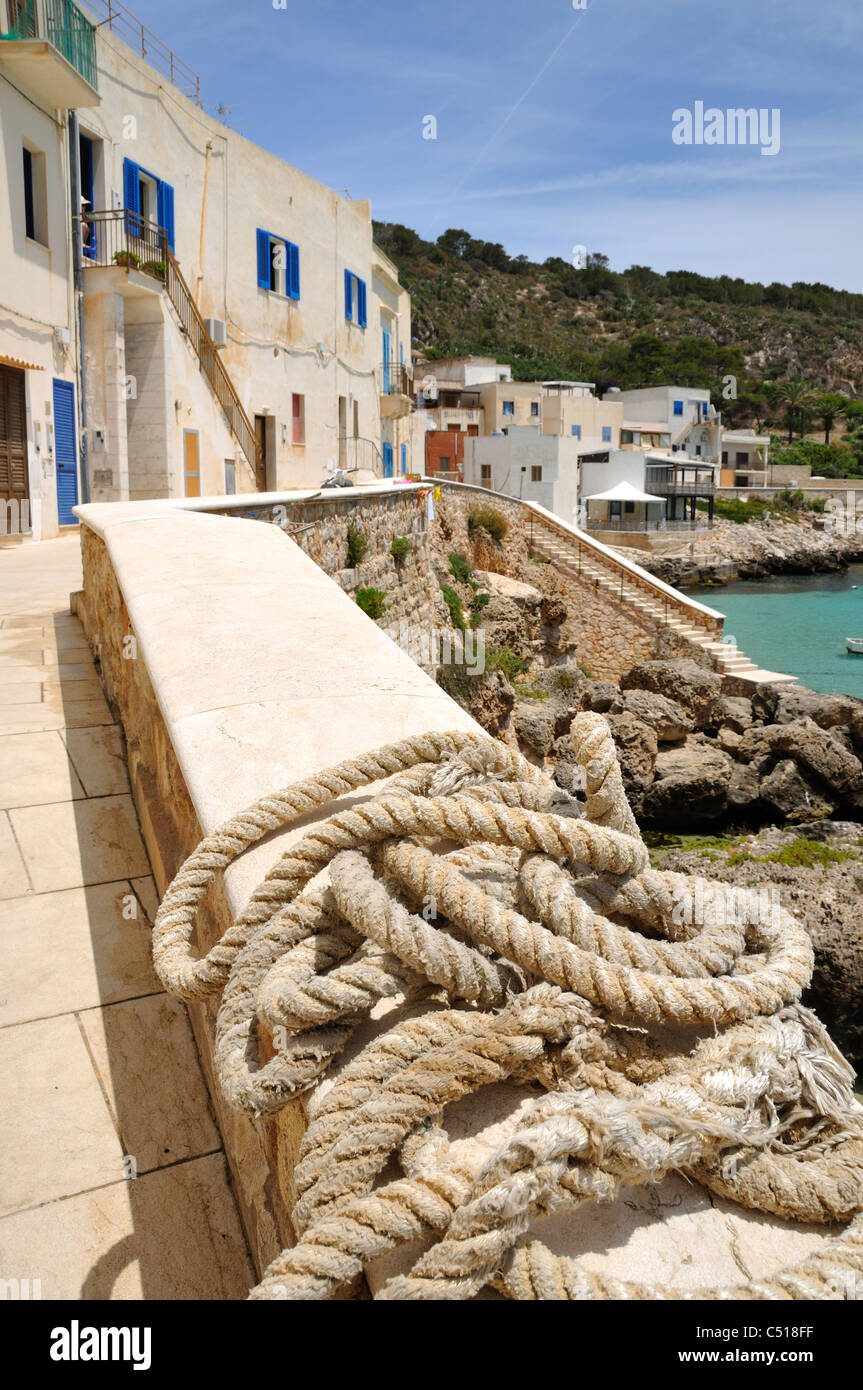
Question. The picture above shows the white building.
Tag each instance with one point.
(529, 465)
(236, 326)
(681, 414)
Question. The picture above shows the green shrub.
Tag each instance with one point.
(373, 602)
(126, 258)
(494, 522)
(157, 268)
(506, 660)
(479, 602)
(459, 567)
(401, 549)
(358, 545)
(453, 603)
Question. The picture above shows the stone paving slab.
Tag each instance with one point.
(97, 1064)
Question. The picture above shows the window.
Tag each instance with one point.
(298, 419)
(278, 265)
(151, 198)
(741, 459)
(665, 441)
(473, 431)
(230, 477)
(35, 196)
(534, 408)
(356, 419)
(724, 457)
(536, 473)
(606, 434)
(629, 507)
(485, 474)
(508, 407)
(678, 407)
(456, 428)
(444, 464)
(356, 299)
(576, 431)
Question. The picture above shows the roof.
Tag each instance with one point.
(647, 426)
(623, 492)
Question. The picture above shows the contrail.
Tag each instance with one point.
(522, 99)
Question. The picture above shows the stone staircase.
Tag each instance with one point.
(579, 557)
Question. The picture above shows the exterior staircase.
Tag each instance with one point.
(580, 557)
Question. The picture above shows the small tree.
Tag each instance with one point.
(828, 408)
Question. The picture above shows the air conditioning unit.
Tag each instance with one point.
(218, 331)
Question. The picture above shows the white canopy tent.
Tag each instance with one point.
(623, 492)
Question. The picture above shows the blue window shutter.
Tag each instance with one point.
(131, 195)
(131, 186)
(263, 260)
(166, 210)
(404, 459)
(349, 298)
(388, 460)
(362, 303)
(402, 353)
(292, 277)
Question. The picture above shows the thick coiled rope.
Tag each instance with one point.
(540, 947)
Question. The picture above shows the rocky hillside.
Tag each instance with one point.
(625, 329)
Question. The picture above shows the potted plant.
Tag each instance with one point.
(157, 268)
(127, 259)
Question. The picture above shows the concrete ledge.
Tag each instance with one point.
(253, 669)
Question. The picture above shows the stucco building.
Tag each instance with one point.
(183, 313)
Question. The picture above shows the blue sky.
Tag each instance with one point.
(554, 124)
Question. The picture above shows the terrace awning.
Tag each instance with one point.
(623, 492)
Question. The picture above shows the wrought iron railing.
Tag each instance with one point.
(65, 26)
(125, 239)
(396, 379)
(121, 21)
(360, 455)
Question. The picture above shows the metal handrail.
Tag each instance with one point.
(622, 571)
(395, 379)
(116, 17)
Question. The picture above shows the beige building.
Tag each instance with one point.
(238, 329)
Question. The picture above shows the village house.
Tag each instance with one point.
(182, 313)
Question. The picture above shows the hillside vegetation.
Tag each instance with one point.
(635, 327)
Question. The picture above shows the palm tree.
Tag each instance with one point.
(798, 398)
(828, 408)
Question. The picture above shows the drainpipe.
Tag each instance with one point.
(78, 281)
(203, 236)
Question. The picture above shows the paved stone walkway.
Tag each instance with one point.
(113, 1181)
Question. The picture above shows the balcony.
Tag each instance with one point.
(673, 487)
(396, 391)
(125, 241)
(51, 50)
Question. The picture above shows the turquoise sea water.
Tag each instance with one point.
(797, 625)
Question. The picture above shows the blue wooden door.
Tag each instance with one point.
(388, 460)
(65, 452)
(404, 459)
(387, 373)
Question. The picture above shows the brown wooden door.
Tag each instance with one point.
(261, 453)
(192, 463)
(13, 436)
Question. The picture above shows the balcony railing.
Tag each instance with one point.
(124, 239)
(64, 26)
(360, 455)
(395, 379)
(128, 240)
(670, 487)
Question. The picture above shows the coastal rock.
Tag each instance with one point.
(828, 711)
(637, 751)
(691, 781)
(600, 697)
(680, 680)
(691, 784)
(534, 724)
(666, 717)
(732, 712)
(815, 748)
(793, 795)
(501, 586)
(503, 621)
(491, 700)
(744, 789)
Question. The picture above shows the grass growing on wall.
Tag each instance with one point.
(490, 520)
(373, 602)
(400, 549)
(358, 545)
